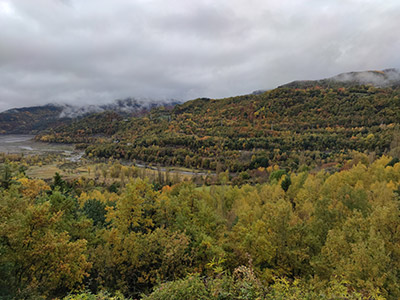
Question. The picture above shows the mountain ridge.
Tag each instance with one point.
(33, 119)
(289, 127)
(377, 78)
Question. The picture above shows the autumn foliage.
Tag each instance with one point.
(334, 234)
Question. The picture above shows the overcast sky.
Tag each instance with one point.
(94, 51)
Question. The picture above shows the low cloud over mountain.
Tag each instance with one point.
(384, 78)
(87, 52)
(36, 118)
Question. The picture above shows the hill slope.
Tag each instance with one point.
(32, 120)
(290, 127)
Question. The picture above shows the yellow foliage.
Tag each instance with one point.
(32, 188)
(102, 196)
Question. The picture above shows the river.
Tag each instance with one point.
(18, 143)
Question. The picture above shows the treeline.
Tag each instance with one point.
(301, 235)
(286, 126)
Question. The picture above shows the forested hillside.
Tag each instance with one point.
(30, 119)
(35, 119)
(290, 127)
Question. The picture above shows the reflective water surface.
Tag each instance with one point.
(27, 145)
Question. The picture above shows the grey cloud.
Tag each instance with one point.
(94, 51)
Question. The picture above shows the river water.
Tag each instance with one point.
(17, 143)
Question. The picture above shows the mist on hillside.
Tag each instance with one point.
(376, 78)
(129, 105)
(88, 52)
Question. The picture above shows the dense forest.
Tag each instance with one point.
(299, 236)
(291, 127)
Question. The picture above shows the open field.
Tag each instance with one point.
(96, 171)
(46, 172)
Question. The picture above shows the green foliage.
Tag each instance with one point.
(276, 175)
(286, 182)
(6, 176)
(244, 284)
(95, 210)
(189, 288)
(99, 296)
(244, 175)
(58, 183)
(393, 162)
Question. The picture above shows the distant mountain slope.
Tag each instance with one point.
(289, 127)
(384, 78)
(38, 118)
(32, 120)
